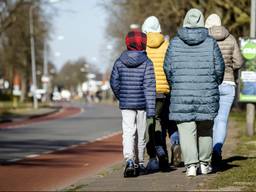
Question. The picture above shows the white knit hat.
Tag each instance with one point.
(151, 24)
(213, 20)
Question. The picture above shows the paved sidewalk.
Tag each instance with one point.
(111, 179)
(172, 181)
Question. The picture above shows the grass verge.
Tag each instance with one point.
(7, 108)
(240, 174)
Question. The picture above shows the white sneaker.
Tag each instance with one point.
(205, 168)
(191, 170)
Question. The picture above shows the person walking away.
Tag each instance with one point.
(133, 83)
(156, 49)
(233, 61)
(194, 66)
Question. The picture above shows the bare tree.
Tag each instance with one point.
(123, 13)
(15, 39)
(72, 74)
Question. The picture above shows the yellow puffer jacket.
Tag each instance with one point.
(156, 48)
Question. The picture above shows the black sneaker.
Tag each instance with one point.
(130, 170)
(162, 158)
(176, 155)
(142, 169)
(216, 161)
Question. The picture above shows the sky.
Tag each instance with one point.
(79, 31)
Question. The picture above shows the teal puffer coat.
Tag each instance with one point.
(194, 67)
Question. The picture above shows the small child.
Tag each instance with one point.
(133, 83)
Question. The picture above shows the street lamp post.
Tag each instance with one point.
(45, 59)
(45, 78)
(134, 26)
(253, 19)
(33, 58)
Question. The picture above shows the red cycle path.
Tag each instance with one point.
(64, 112)
(55, 171)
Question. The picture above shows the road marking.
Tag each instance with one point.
(107, 136)
(47, 152)
(14, 160)
(73, 146)
(66, 148)
(32, 156)
(61, 149)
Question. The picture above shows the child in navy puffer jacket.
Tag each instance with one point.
(133, 83)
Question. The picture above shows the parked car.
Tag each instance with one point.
(65, 95)
(40, 93)
(56, 96)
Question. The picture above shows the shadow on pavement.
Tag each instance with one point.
(167, 170)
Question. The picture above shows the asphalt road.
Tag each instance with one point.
(93, 122)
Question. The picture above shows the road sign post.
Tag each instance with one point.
(250, 107)
(248, 82)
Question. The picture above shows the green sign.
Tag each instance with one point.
(248, 72)
(249, 50)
